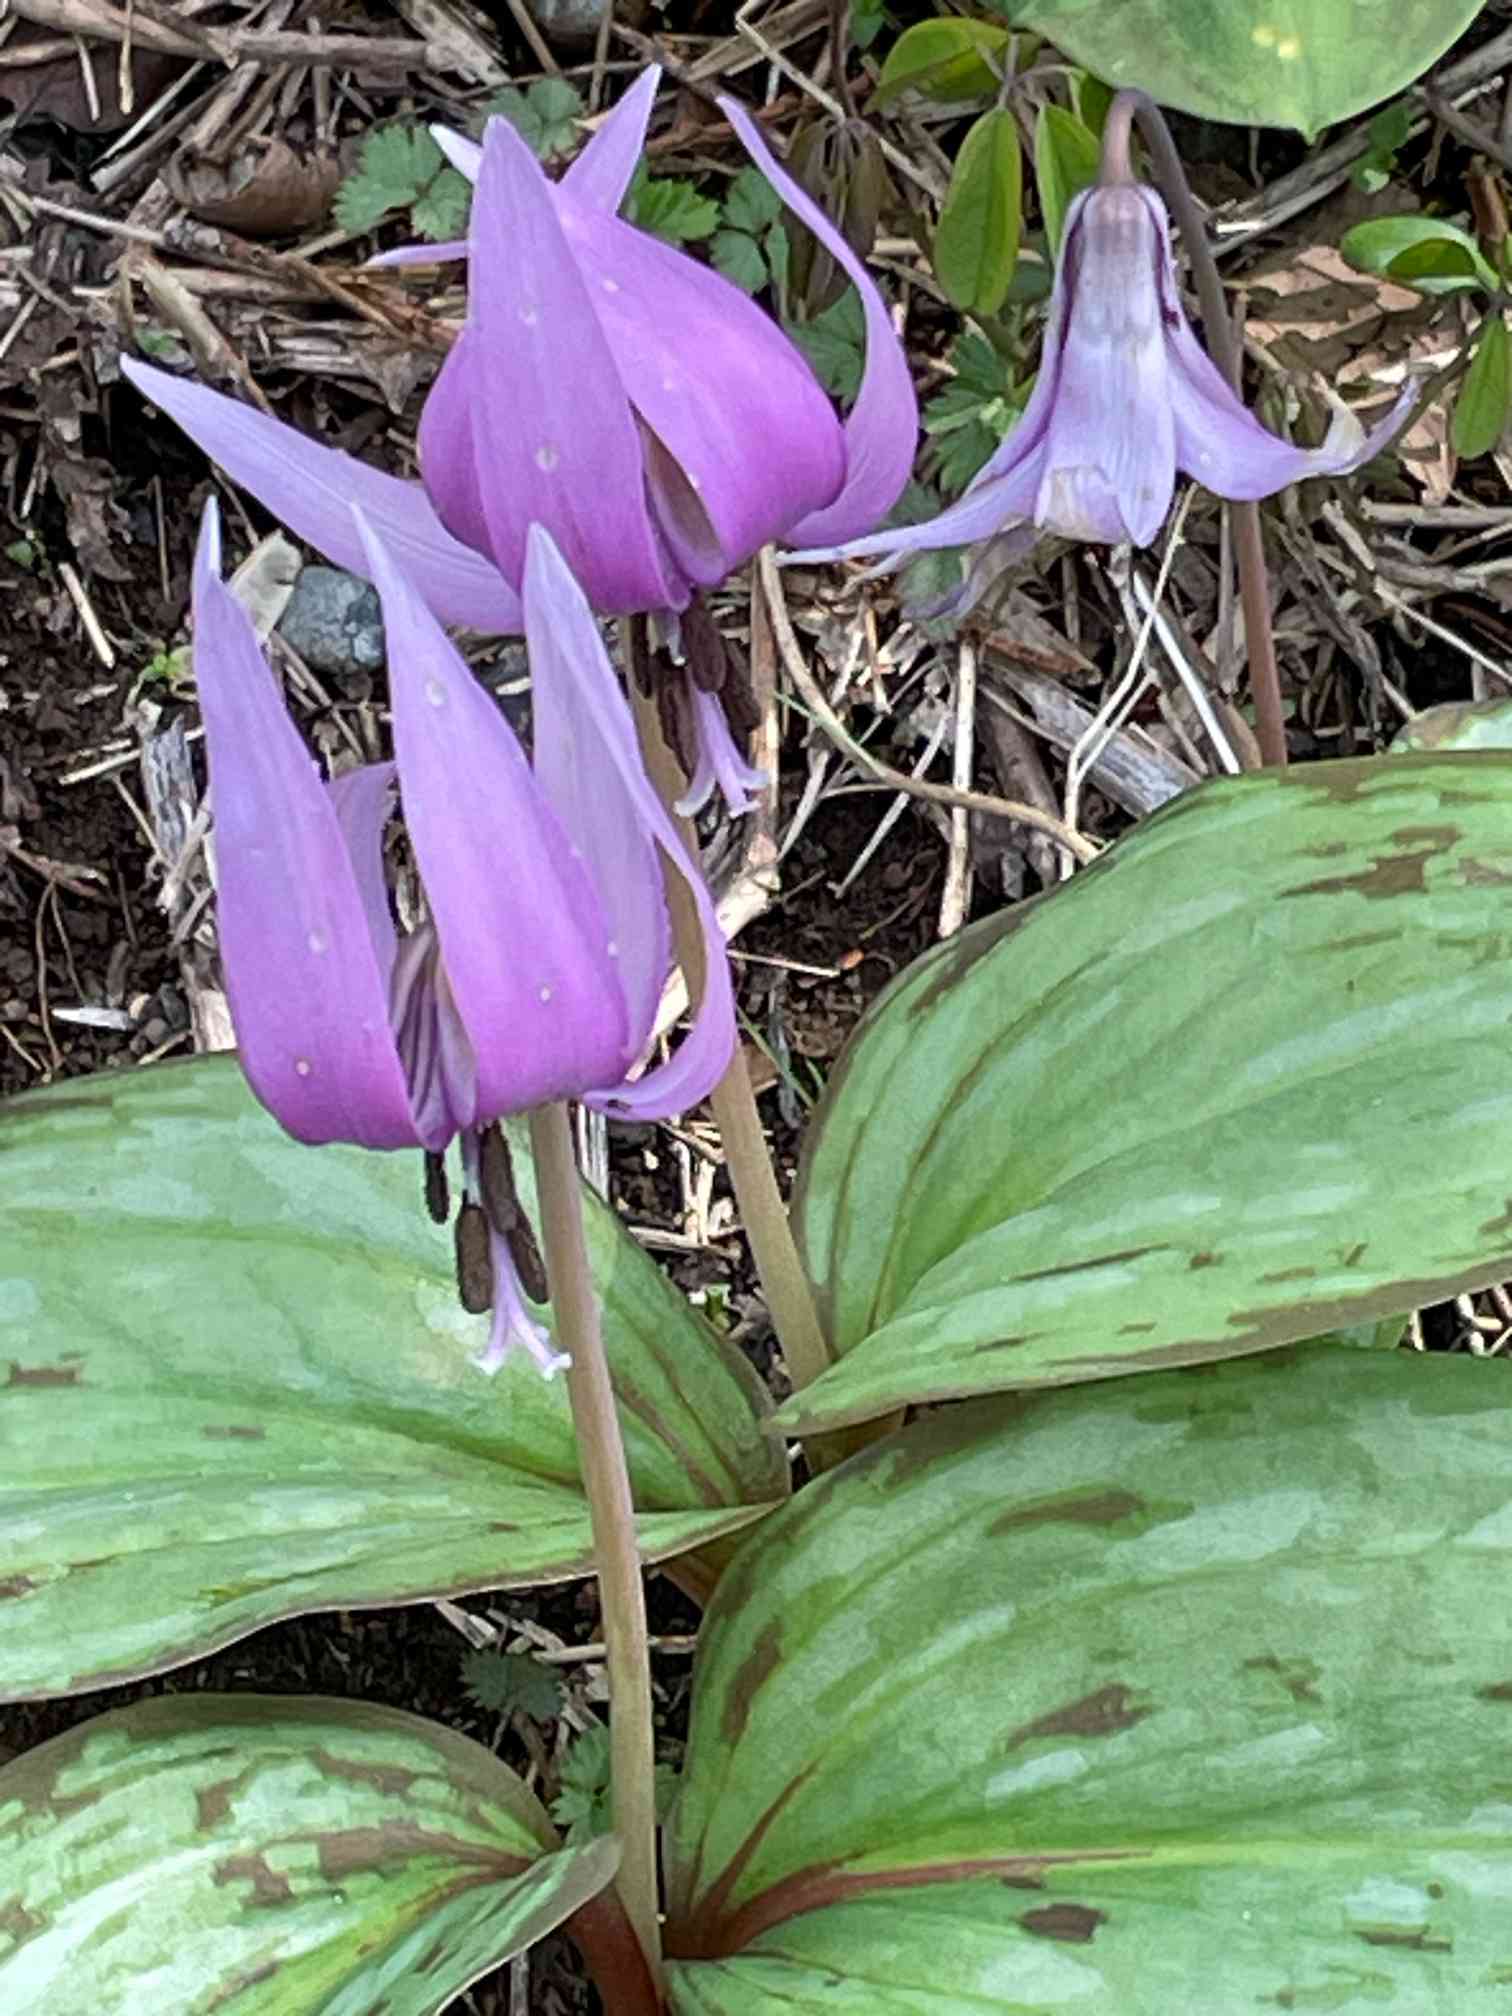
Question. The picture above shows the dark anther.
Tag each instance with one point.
(475, 1272)
(437, 1191)
(707, 655)
(501, 1201)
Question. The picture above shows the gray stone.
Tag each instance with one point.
(571, 22)
(335, 622)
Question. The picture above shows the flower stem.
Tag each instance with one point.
(606, 1480)
(805, 1350)
(1224, 348)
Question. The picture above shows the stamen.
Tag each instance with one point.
(475, 1260)
(501, 1202)
(437, 1190)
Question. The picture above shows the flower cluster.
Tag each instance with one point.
(616, 429)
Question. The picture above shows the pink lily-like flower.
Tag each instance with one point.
(642, 409)
(648, 412)
(1125, 397)
(537, 971)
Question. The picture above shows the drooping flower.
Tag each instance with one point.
(656, 421)
(635, 403)
(536, 971)
(1125, 397)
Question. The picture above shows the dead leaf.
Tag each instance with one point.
(265, 189)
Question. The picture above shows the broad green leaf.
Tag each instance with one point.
(1428, 253)
(1301, 63)
(1480, 411)
(1244, 1081)
(1066, 158)
(1458, 724)
(976, 245)
(671, 209)
(235, 1384)
(265, 1857)
(752, 203)
(950, 60)
(1189, 1693)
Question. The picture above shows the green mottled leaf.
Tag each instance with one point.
(1245, 1081)
(1428, 253)
(1480, 411)
(265, 1857)
(976, 245)
(1458, 724)
(950, 60)
(235, 1384)
(1066, 158)
(1301, 63)
(1188, 1693)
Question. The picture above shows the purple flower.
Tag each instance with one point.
(1125, 397)
(637, 405)
(536, 971)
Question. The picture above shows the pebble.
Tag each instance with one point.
(571, 22)
(335, 622)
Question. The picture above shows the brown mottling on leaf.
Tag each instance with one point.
(1136, 1329)
(1073, 1923)
(252, 1977)
(966, 948)
(15, 1585)
(1023, 1879)
(17, 1923)
(1435, 1890)
(355, 1851)
(1500, 1690)
(44, 1375)
(1325, 850)
(1497, 1228)
(501, 1526)
(212, 1803)
(232, 1431)
(1003, 1343)
(1106, 1713)
(1297, 1676)
(1388, 875)
(1440, 837)
(269, 1886)
(1094, 1508)
(1484, 874)
(1203, 1260)
(1420, 1941)
(1086, 1266)
(394, 1781)
(1355, 1254)
(1292, 1274)
(754, 1670)
(434, 1954)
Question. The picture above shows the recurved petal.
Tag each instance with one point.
(576, 693)
(1110, 460)
(882, 429)
(986, 509)
(520, 924)
(312, 488)
(307, 995)
(528, 420)
(601, 174)
(720, 767)
(1222, 444)
(716, 380)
